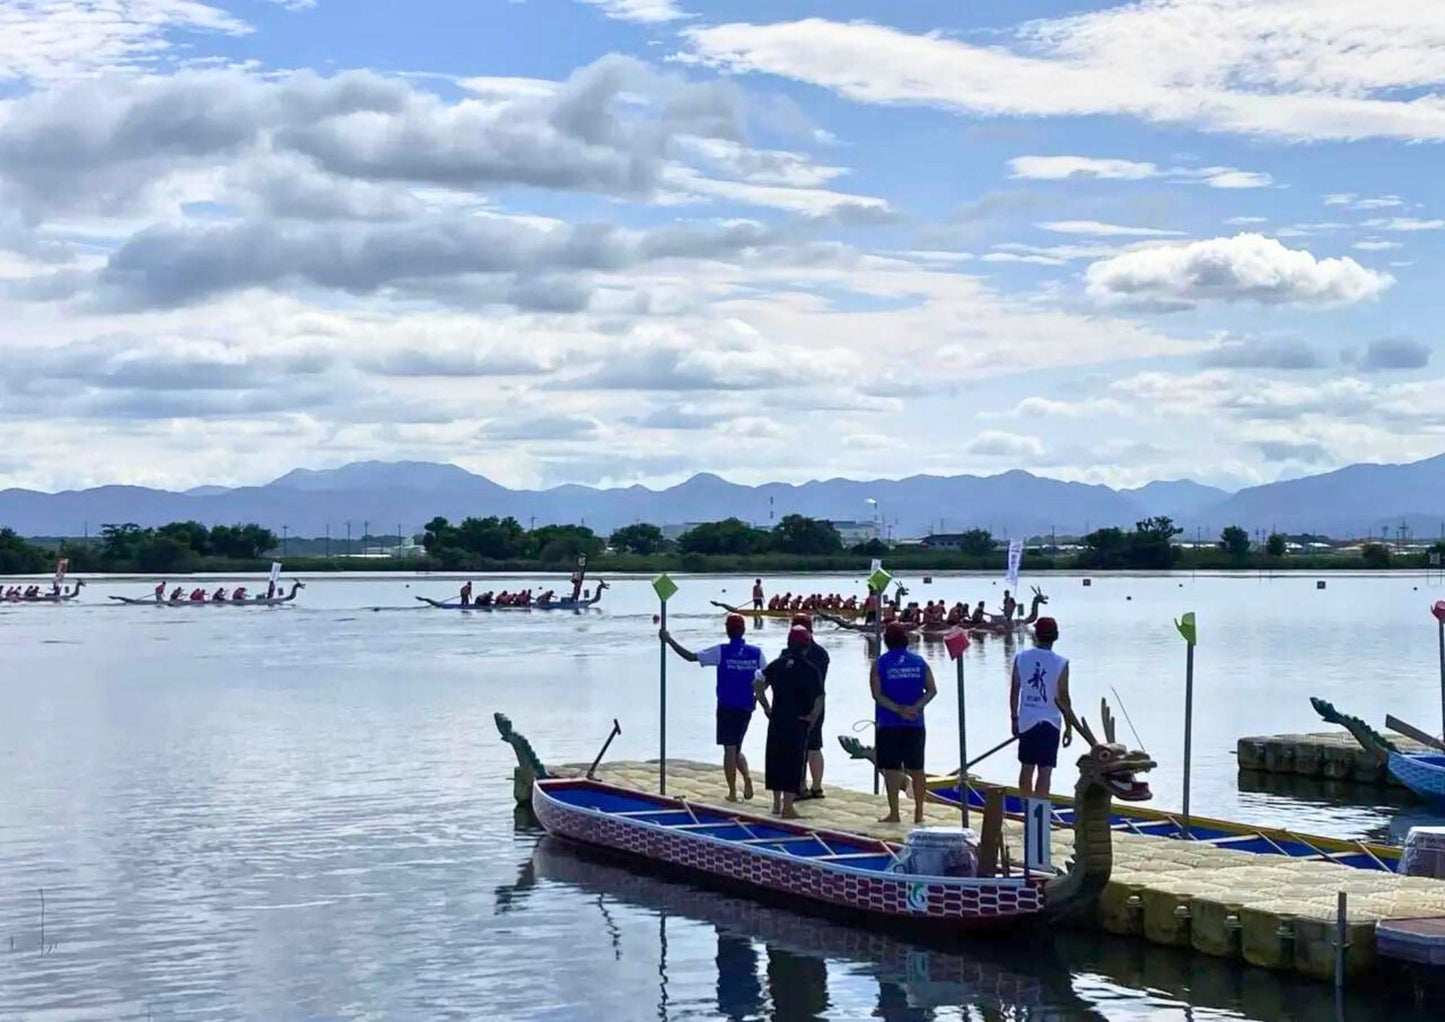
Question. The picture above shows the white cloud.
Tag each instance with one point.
(646, 12)
(1306, 69)
(1246, 267)
(994, 443)
(1102, 230)
(1245, 221)
(1058, 168)
(1049, 408)
(46, 40)
(1353, 201)
(1375, 245)
(1404, 224)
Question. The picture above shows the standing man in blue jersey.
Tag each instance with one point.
(738, 665)
(902, 684)
(1039, 702)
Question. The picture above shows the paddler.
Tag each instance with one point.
(1039, 701)
(219, 596)
(578, 575)
(980, 615)
(177, 594)
(238, 595)
(466, 593)
(902, 684)
(796, 705)
(160, 591)
(757, 594)
(738, 666)
(1008, 607)
(271, 590)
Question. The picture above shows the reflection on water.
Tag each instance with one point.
(776, 964)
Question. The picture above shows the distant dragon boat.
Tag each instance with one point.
(251, 601)
(51, 598)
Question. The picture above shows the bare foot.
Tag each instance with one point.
(918, 816)
(790, 814)
(748, 788)
(732, 796)
(890, 818)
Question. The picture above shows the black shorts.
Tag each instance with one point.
(1039, 746)
(815, 735)
(732, 725)
(900, 748)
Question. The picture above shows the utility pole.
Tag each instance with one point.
(285, 535)
(348, 539)
(328, 539)
(365, 531)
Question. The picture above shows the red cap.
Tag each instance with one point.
(735, 625)
(1046, 629)
(895, 636)
(802, 621)
(798, 636)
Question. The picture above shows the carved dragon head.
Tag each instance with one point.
(1111, 765)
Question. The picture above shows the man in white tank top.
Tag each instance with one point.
(1039, 703)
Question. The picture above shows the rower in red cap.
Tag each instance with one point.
(738, 666)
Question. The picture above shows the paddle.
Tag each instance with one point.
(664, 587)
(1411, 731)
(1439, 611)
(616, 730)
(1190, 634)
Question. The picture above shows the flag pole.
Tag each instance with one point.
(1189, 631)
(957, 643)
(664, 587)
(1439, 611)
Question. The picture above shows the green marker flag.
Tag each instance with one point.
(878, 581)
(1187, 629)
(665, 588)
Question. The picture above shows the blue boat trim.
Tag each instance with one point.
(1294, 846)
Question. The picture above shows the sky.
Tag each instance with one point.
(622, 241)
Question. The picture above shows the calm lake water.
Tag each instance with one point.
(305, 813)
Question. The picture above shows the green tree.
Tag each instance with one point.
(561, 544)
(241, 542)
(18, 557)
(1235, 542)
(797, 534)
(497, 539)
(1152, 543)
(873, 548)
(641, 538)
(438, 534)
(977, 542)
(1105, 548)
(192, 534)
(1277, 545)
(118, 543)
(164, 554)
(1375, 555)
(729, 536)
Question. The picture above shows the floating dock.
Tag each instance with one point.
(1269, 911)
(1330, 756)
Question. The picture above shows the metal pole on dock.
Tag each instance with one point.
(664, 587)
(957, 643)
(1341, 939)
(878, 580)
(1439, 611)
(1189, 631)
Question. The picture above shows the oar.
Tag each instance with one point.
(1411, 731)
(979, 759)
(616, 730)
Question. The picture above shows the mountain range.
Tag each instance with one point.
(1354, 501)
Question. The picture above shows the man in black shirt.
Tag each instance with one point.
(818, 657)
(796, 704)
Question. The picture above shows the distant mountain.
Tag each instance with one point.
(384, 495)
(1177, 498)
(1357, 500)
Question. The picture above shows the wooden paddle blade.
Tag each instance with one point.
(1411, 731)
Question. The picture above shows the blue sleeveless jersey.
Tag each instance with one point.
(902, 677)
(735, 672)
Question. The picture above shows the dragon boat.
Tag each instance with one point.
(62, 597)
(784, 615)
(1147, 822)
(1422, 773)
(566, 603)
(251, 601)
(854, 876)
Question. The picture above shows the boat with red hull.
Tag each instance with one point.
(848, 874)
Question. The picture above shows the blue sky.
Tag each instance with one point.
(617, 241)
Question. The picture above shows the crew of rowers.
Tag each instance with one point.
(832, 601)
(15, 594)
(521, 598)
(198, 595)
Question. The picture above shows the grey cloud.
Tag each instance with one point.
(672, 369)
(125, 362)
(454, 362)
(1309, 453)
(1262, 355)
(1395, 353)
(675, 417)
(171, 265)
(541, 427)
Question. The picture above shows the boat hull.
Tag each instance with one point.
(946, 907)
(128, 601)
(486, 608)
(1423, 774)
